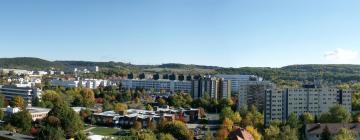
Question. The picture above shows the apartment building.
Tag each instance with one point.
(249, 89)
(216, 88)
(238, 81)
(158, 85)
(280, 103)
(88, 83)
(253, 93)
(29, 94)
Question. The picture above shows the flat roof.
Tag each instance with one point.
(37, 110)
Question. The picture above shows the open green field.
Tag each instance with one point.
(104, 131)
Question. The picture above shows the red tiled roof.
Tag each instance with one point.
(240, 134)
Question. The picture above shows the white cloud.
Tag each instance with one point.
(341, 56)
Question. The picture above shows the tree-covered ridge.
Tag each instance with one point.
(28, 63)
(333, 73)
(292, 73)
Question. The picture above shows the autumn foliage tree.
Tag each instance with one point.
(254, 132)
(120, 107)
(18, 101)
(87, 97)
(178, 129)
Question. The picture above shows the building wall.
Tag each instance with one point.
(280, 103)
(252, 93)
(29, 94)
(158, 85)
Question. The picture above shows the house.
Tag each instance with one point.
(185, 114)
(106, 118)
(314, 131)
(36, 113)
(128, 118)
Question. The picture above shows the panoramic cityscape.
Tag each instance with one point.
(180, 70)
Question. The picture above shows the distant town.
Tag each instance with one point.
(76, 104)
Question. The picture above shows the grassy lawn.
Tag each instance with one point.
(104, 131)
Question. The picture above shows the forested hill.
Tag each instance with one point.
(293, 72)
(28, 63)
(332, 72)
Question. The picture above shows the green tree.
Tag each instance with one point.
(226, 102)
(147, 135)
(272, 133)
(178, 129)
(180, 100)
(48, 132)
(18, 101)
(88, 97)
(22, 121)
(336, 114)
(325, 135)
(163, 136)
(120, 107)
(227, 112)
(293, 121)
(149, 107)
(288, 133)
(107, 106)
(161, 101)
(345, 134)
(70, 121)
(208, 135)
(253, 118)
(2, 101)
(51, 98)
(307, 118)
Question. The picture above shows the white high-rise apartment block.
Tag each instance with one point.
(280, 103)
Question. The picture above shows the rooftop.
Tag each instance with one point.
(334, 128)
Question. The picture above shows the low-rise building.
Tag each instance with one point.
(36, 113)
(145, 117)
(314, 131)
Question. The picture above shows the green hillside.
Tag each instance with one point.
(334, 73)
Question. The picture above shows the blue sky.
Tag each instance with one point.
(230, 33)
